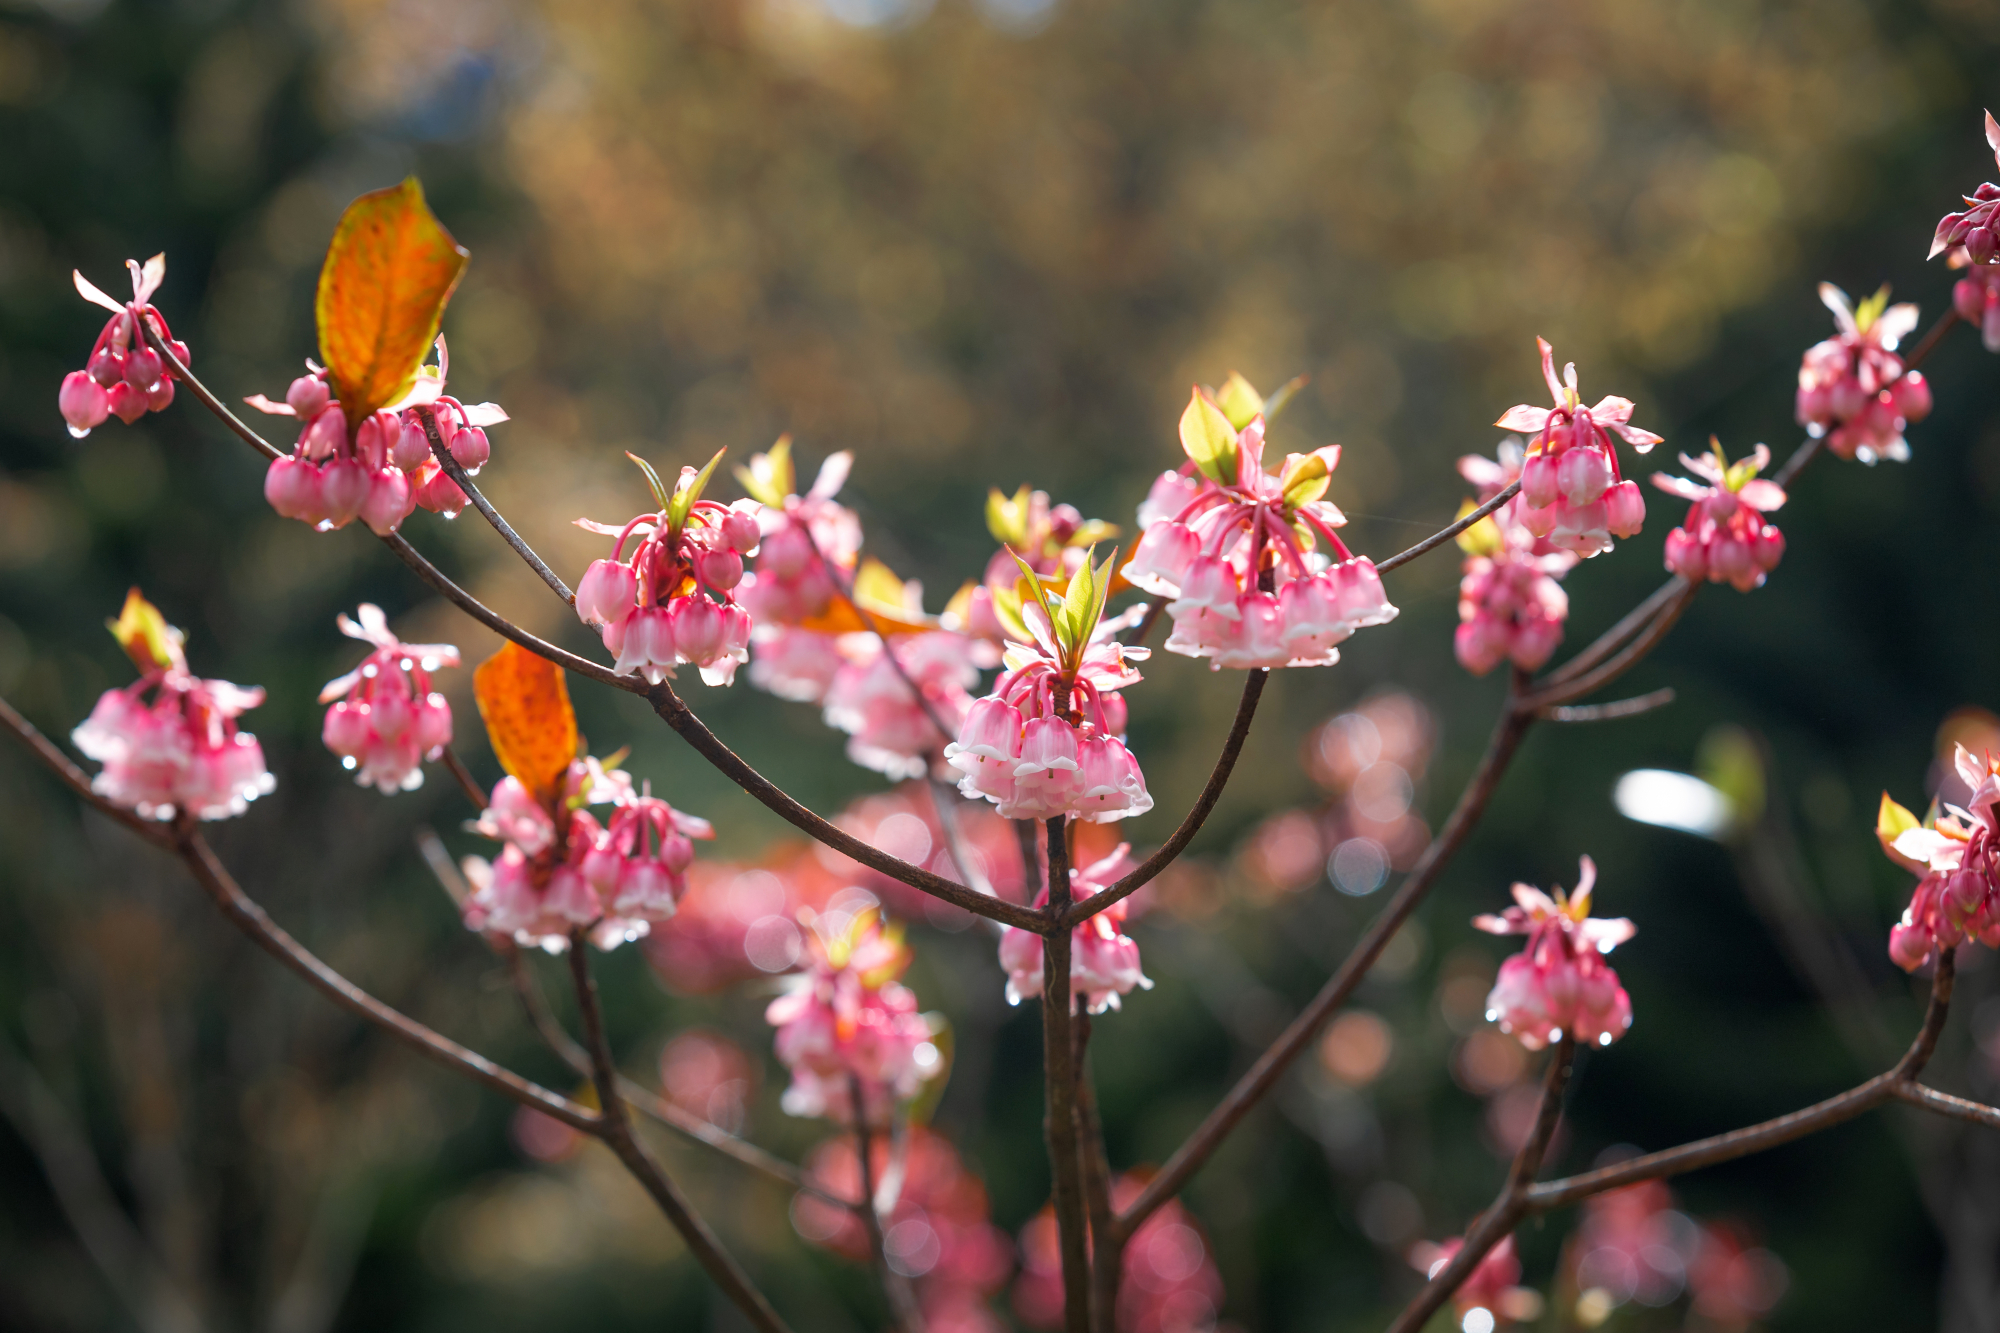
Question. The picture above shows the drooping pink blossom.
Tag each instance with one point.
(168, 741)
(1976, 298)
(1510, 606)
(1725, 538)
(1958, 898)
(1103, 960)
(1853, 390)
(387, 469)
(123, 376)
(1975, 232)
(847, 1019)
(1036, 758)
(1240, 557)
(673, 599)
(890, 731)
(1559, 983)
(386, 720)
(937, 1232)
(801, 535)
(1572, 492)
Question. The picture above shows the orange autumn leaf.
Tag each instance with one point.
(389, 271)
(525, 705)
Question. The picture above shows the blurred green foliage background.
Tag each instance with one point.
(982, 243)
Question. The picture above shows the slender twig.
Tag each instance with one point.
(1211, 792)
(902, 1299)
(1770, 1133)
(1959, 1108)
(201, 392)
(1499, 1220)
(1296, 1038)
(677, 715)
(463, 776)
(1644, 703)
(1623, 661)
(456, 471)
(1618, 635)
(647, 1103)
(1437, 539)
(615, 1128)
(1059, 1072)
(1800, 456)
(1106, 1246)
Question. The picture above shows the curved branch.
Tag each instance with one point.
(1627, 658)
(1296, 1038)
(1611, 712)
(1059, 1078)
(456, 471)
(1437, 539)
(706, 743)
(1959, 1108)
(1618, 635)
(1197, 815)
(207, 399)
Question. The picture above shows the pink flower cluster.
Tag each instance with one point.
(1559, 983)
(180, 751)
(124, 377)
(1169, 1282)
(386, 470)
(1510, 606)
(802, 533)
(1958, 898)
(1103, 960)
(386, 720)
(1976, 298)
(1853, 391)
(936, 1229)
(1235, 548)
(847, 1019)
(616, 878)
(1571, 490)
(672, 601)
(1974, 233)
(1725, 538)
(1036, 758)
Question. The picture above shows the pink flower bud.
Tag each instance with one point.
(1768, 548)
(1980, 244)
(1539, 485)
(343, 489)
(1160, 562)
(606, 592)
(84, 403)
(785, 553)
(1968, 298)
(1686, 556)
(1210, 584)
(1582, 475)
(161, 396)
(740, 530)
(325, 433)
(126, 402)
(471, 448)
(432, 725)
(107, 367)
(719, 569)
(1535, 642)
(308, 396)
(1912, 395)
(1910, 946)
(390, 500)
(346, 728)
(1730, 560)
(439, 493)
(142, 367)
(371, 442)
(1624, 509)
(1479, 644)
(1362, 600)
(390, 713)
(412, 448)
(1539, 521)
(645, 643)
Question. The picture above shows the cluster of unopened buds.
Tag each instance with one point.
(563, 870)
(1559, 984)
(1725, 538)
(847, 1023)
(386, 720)
(671, 601)
(180, 751)
(1103, 960)
(1236, 547)
(384, 469)
(1853, 390)
(1510, 606)
(1958, 898)
(1572, 492)
(124, 377)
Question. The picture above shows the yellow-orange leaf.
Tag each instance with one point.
(525, 705)
(389, 271)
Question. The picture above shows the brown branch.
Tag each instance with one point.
(1059, 1074)
(615, 1129)
(706, 743)
(1296, 1038)
(1628, 657)
(456, 471)
(1770, 1133)
(1617, 636)
(463, 776)
(1232, 747)
(201, 392)
(1508, 1209)
(1438, 539)
(1611, 712)
(649, 1104)
(1959, 1108)
(1107, 1246)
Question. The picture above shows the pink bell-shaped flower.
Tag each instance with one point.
(385, 719)
(1559, 983)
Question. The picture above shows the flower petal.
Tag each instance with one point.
(1524, 417)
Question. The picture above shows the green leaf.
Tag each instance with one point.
(660, 495)
(689, 491)
(770, 478)
(1209, 439)
(389, 270)
(1239, 401)
(1007, 516)
(1079, 603)
(1007, 610)
(1306, 477)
